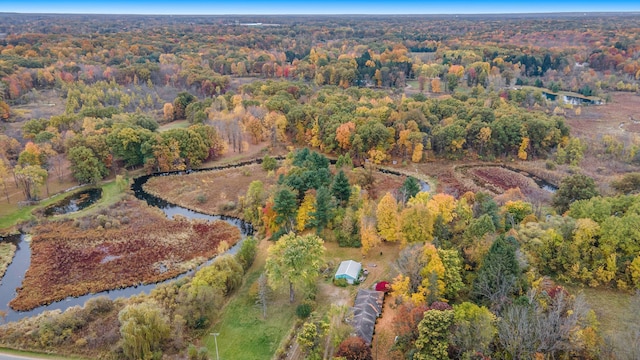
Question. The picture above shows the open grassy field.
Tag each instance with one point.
(178, 124)
(614, 312)
(244, 333)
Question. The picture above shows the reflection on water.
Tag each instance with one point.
(73, 203)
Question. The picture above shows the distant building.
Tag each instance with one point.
(349, 270)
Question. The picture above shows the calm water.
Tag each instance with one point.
(73, 203)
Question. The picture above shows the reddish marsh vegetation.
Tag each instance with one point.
(128, 244)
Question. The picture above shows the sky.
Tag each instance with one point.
(237, 7)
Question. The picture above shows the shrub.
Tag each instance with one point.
(228, 206)
(304, 310)
(247, 252)
(550, 165)
(340, 282)
(201, 199)
(269, 163)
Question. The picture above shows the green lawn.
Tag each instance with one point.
(178, 124)
(244, 334)
(24, 213)
(613, 310)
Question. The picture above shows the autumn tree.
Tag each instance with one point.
(294, 260)
(474, 329)
(168, 112)
(307, 208)
(354, 348)
(416, 224)
(224, 274)
(344, 133)
(387, 215)
(30, 178)
(433, 341)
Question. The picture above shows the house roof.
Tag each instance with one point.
(366, 310)
(350, 268)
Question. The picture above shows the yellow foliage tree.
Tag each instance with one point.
(167, 110)
(417, 153)
(377, 156)
(417, 224)
(436, 86)
(368, 237)
(400, 287)
(421, 198)
(305, 210)
(442, 205)
(432, 273)
(522, 151)
(387, 214)
(634, 271)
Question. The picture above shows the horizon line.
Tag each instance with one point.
(581, 13)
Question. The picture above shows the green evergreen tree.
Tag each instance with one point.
(323, 206)
(409, 188)
(499, 274)
(340, 188)
(285, 206)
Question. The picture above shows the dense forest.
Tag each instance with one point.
(491, 161)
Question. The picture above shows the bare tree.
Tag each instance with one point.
(525, 329)
(263, 294)
(410, 264)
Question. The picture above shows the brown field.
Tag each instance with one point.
(128, 244)
(218, 191)
(210, 192)
(615, 118)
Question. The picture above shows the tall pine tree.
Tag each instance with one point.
(341, 189)
(323, 213)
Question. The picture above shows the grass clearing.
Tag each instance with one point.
(614, 312)
(178, 124)
(244, 334)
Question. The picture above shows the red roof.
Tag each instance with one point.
(383, 286)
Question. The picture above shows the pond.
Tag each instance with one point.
(73, 203)
(22, 259)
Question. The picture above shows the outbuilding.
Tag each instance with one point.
(349, 270)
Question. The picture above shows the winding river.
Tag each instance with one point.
(22, 258)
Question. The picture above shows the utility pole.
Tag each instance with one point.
(215, 339)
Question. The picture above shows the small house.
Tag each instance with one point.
(349, 270)
(366, 310)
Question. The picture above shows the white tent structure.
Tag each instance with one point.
(349, 270)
